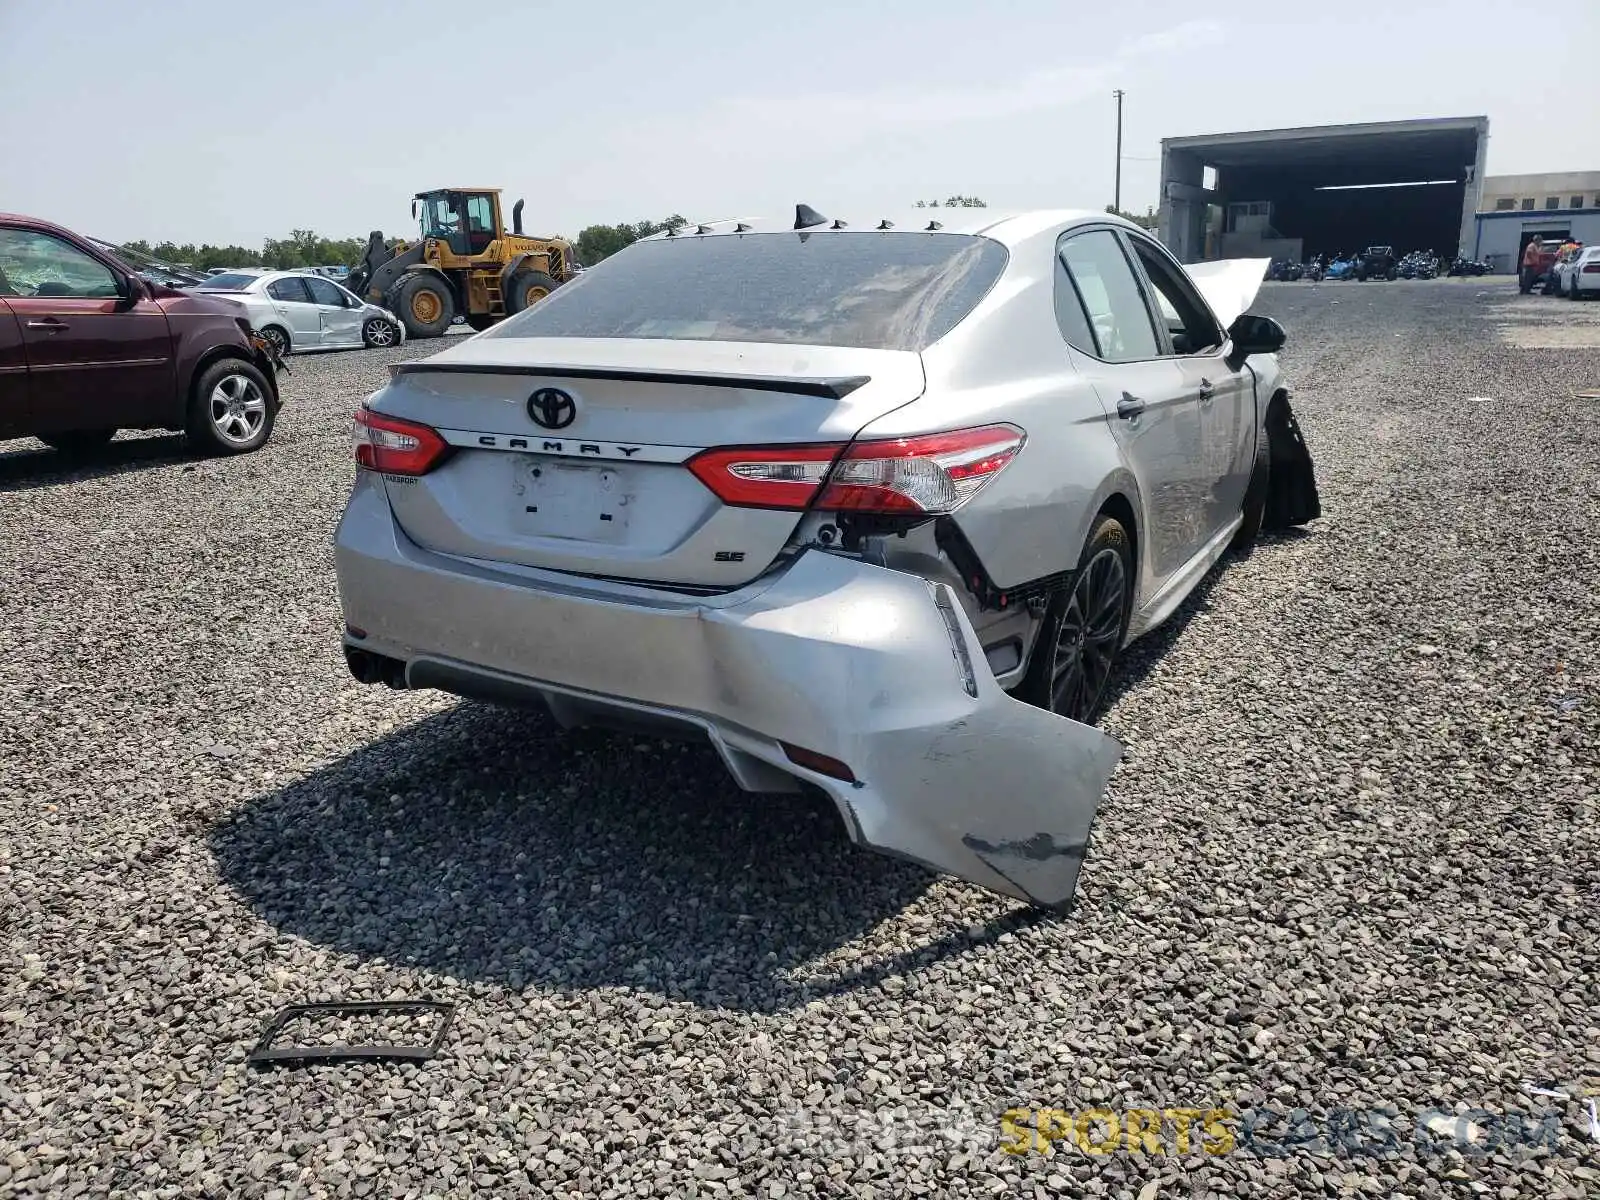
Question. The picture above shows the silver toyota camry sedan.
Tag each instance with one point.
(872, 505)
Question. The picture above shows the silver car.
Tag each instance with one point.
(301, 310)
(871, 505)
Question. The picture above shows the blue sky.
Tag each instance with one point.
(230, 122)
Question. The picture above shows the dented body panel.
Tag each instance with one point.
(874, 668)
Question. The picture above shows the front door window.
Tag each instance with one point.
(36, 264)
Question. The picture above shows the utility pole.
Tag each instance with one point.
(1116, 202)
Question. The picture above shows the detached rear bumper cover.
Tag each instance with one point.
(849, 660)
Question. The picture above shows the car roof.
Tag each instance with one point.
(1006, 227)
(33, 222)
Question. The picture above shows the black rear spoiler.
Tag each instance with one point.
(831, 388)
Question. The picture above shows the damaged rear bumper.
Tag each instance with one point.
(867, 682)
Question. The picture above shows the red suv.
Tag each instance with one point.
(88, 347)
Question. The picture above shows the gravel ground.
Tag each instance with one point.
(1348, 865)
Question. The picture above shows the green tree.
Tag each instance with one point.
(954, 202)
(597, 242)
(1150, 219)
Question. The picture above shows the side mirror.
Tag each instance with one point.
(1252, 334)
(130, 290)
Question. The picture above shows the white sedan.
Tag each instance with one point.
(299, 311)
(1579, 275)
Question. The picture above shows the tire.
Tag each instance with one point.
(378, 333)
(424, 304)
(279, 337)
(526, 288)
(1083, 629)
(231, 410)
(1391, 275)
(1255, 501)
(77, 441)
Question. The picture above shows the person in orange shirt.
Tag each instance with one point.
(1531, 257)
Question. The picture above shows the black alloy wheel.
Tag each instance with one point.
(1089, 636)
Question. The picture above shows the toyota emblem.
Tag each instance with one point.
(552, 408)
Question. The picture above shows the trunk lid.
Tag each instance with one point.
(570, 453)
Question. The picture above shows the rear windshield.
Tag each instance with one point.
(226, 283)
(879, 291)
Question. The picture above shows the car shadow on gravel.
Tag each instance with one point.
(1138, 660)
(34, 465)
(486, 844)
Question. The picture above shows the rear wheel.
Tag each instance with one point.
(231, 410)
(526, 288)
(77, 441)
(1081, 635)
(424, 303)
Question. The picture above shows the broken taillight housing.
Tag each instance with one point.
(397, 447)
(932, 474)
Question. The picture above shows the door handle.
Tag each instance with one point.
(1129, 407)
(1206, 391)
(49, 325)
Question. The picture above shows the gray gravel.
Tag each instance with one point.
(1348, 864)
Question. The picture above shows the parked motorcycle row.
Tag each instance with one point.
(1377, 262)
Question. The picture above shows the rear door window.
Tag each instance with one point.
(292, 289)
(881, 291)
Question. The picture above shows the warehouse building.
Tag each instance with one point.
(1292, 193)
(1518, 208)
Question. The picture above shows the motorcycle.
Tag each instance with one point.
(1465, 266)
(1316, 268)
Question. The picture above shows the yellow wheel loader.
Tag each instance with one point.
(465, 264)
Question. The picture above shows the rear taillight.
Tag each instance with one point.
(396, 447)
(1592, 268)
(933, 474)
(765, 476)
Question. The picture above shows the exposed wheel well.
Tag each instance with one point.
(1117, 505)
